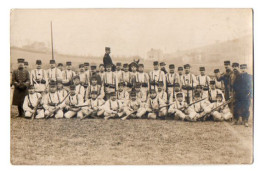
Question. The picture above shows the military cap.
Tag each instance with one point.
(107, 48)
(38, 62)
(76, 77)
(152, 91)
(60, 64)
(226, 62)
(134, 64)
(94, 77)
(86, 64)
(94, 92)
(219, 95)
(52, 83)
(133, 94)
(52, 62)
(243, 66)
(59, 81)
(125, 65)
(171, 66)
(162, 64)
(20, 60)
(197, 94)
(141, 65)
(180, 68)
(72, 87)
(179, 94)
(199, 87)
(216, 70)
(109, 65)
(177, 85)
(121, 84)
(101, 65)
(202, 68)
(112, 93)
(31, 87)
(212, 82)
(235, 65)
(93, 67)
(137, 84)
(186, 66)
(68, 63)
(155, 63)
(118, 64)
(81, 65)
(26, 63)
(160, 83)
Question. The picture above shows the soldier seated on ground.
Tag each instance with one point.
(200, 108)
(113, 107)
(178, 109)
(73, 102)
(94, 106)
(52, 104)
(223, 113)
(134, 108)
(156, 107)
(31, 101)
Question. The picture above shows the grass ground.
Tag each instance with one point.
(96, 141)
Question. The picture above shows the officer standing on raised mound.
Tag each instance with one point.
(107, 59)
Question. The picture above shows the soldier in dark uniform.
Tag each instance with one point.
(227, 78)
(107, 59)
(243, 92)
(21, 81)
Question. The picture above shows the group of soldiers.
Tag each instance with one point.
(125, 91)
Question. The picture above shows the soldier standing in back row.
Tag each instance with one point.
(156, 75)
(188, 84)
(53, 73)
(171, 79)
(227, 78)
(21, 81)
(38, 77)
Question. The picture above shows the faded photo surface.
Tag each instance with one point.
(131, 86)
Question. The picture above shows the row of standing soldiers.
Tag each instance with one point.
(167, 85)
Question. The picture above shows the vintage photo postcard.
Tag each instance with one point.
(131, 86)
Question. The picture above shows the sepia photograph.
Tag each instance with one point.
(131, 86)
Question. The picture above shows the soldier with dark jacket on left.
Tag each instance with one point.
(21, 81)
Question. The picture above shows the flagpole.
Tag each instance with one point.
(52, 53)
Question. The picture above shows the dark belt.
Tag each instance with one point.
(205, 88)
(40, 81)
(110, 86)
(154, 83)
(130, 85)
(187, 88)
(52, 104)
(67, 84)
(170, 85)
(144, 84)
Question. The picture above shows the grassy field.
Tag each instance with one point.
(96, 141)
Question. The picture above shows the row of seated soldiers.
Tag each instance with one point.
(59, 102)
(108, 81)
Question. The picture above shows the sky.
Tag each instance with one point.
(128, 31)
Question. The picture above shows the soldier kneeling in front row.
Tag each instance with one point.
(31, 101)
(134, 107)
(113, 107)
(156, 107)
(94, 106)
